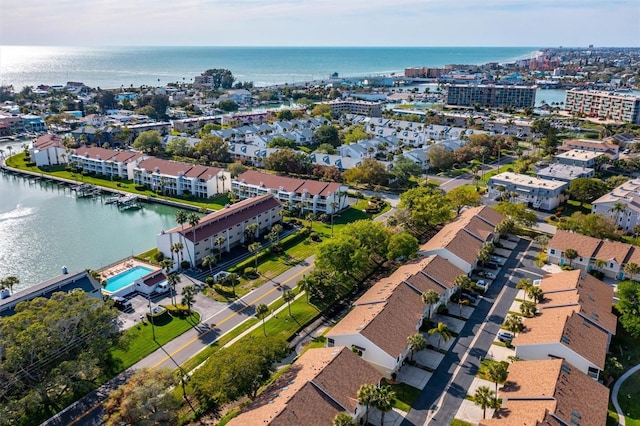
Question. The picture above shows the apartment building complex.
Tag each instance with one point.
(372, 109)
(467, 95)
(603, 105)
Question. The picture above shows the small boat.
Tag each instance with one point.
(112, 200)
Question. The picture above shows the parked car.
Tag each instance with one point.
(487, 274)
(483, 284)
(468, 297)
(121, 303)
(505, 336)
(497, 259)
(492, 265)
(537, 282)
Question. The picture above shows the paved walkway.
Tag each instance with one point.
(616, 389)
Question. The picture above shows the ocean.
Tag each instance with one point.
(122, 67)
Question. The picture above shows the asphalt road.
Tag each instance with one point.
(440, 400)
(88, 410)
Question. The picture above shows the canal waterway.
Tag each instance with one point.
(43, 226)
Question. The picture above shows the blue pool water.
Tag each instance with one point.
(125, 278)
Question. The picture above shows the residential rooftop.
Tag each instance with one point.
(527, 181)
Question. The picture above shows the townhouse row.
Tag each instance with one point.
(563, 351)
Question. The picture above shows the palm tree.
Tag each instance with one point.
(188, 296)
(232, 279)
(416, 343)
(193, 219)
(443, 332)
(525, 284)
(262, 311)
(383, 400)
(333, 204)
(632, 269)
(9, 282)
(177, 249)
(366, 394)
(497, 372)
(514, 324)
(209, 261)
(288, 297)
(570, 254)
(484, 397)
(535, 294)
(599, 264)
(250, 231)
(343, 419)
(255, 249)
(430, 298)
(218, 242)
(181, 219)
(616, 209)
(528, 308)
(305, 285)
(463, 282)
(173, 280)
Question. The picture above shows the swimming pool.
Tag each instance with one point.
(123, 279)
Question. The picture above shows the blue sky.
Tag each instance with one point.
(321, 22)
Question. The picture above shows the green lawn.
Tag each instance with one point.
(141, 338)
(405, 396)
(458, 422)
(631, 388)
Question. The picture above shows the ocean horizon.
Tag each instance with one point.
(133, 66)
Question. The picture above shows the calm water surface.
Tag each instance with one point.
(43, 227)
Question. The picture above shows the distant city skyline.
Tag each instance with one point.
(548, 23)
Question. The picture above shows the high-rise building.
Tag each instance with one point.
(468, 95)
(604, 105)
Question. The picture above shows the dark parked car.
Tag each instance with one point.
(492, 265)
(121, 303)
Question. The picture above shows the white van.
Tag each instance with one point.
(163, 287)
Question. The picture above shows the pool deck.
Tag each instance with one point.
(123, 266)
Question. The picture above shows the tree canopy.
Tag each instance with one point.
(425, 207)
(517, 212)
(586, 190)
(594, 225)
(212, 148)
(327, 134)
(290, 161)
(464, 196)
(221, 78)
(629, 306)
(54, 351)
(369, 172)
(149, 142)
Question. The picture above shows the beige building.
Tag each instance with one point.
(626, 195)
(603, 105)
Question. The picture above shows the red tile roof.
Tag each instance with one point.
(47, 141)
(221, 220)
(164, 167)
(288, 184)
(96, 153)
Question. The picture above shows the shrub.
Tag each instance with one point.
(598, 274)
(314, 236)
(541, 259)
(566, 268)
(442, 309)
(185, 264)
(249, 271)
(158, 256)
(209, 281)
(140, 187)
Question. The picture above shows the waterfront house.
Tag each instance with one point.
(461, 240)
(48, 150)
(178, 178)
(107, 162)
(312, 391)
(66, 282)
(550, 392)
(627, 196)
(615, 254)
(305, 194)
(538, 193)
(227, 225)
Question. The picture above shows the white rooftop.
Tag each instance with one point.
(579, 154)
(526, 181)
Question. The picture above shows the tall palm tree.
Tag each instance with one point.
(599, 264)
(483, 397)
(383, 400)
(173, 280)
(443, 332)
(366, 394)
(209, 261)
(632, 269)
(528, 308)
(497, 372)
(219, 241)
(177, 249)
(188, 296)
(182, 218)
(306, 285)
(463, 282)
(525, 284)
(250, 231)
(430, 298)
(262, 311)
(288, 297)
(193, 220)
(333, 204)
(416, 343)
(255, 249)
(617, 208)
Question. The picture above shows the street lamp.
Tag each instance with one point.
(153, 330)
(628, 402)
